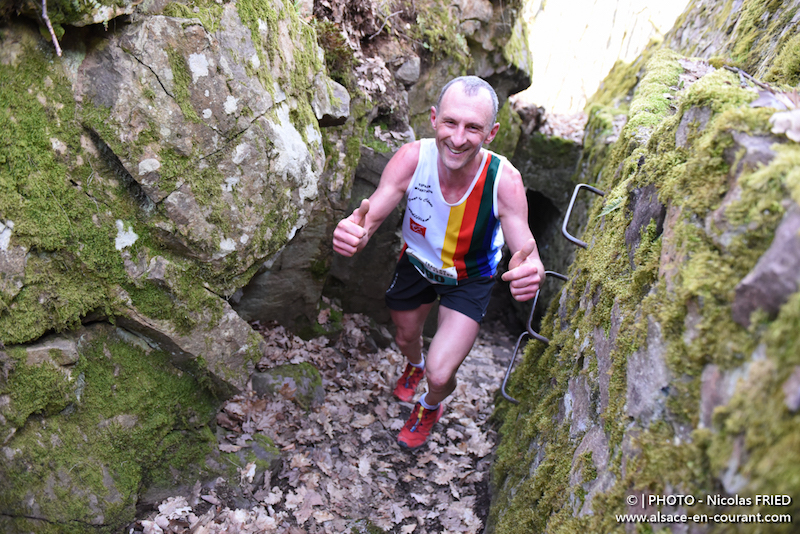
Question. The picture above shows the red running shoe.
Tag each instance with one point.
(408, 382)
(418, 427)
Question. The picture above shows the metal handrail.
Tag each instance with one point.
(528, 332)
(569, 212)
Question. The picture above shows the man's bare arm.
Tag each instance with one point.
(525, 270)
(352, 234)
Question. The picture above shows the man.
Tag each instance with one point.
(462, 200)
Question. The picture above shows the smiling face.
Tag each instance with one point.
(463, 123)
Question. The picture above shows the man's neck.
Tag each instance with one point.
(454, 183)
(463, 175)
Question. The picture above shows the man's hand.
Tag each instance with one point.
(525, 272)
(350, 236)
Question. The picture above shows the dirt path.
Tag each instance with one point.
(342, 470)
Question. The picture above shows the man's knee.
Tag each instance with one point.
(406, 337)
(439, 379)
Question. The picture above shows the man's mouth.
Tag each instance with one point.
(457, 152)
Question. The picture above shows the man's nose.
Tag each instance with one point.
(459, 135)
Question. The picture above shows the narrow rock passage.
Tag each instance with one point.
(342, 470)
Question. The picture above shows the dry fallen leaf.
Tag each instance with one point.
(787, 122)
(340, 459)
(227, 447)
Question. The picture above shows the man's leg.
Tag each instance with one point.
(451, 344)
(409, 324)
(453, 340)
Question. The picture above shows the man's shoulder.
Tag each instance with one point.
(508, 172)
(411, 149)
(510, 183)
(401, 167)
(408, 155)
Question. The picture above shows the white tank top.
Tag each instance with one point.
(450, 243)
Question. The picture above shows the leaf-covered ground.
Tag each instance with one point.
(342, 470)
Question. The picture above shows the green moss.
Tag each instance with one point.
(251, 12)
(688, 292)
(378, 145)
(302, 116)
(182, 77)
(154, 302)
(651, 103)
(319, 269)
(515, 50)
(617, 88)
(268, 458)
(786, 68)
(51, 199)
(757, 36)
(438, 29)
(297, 71)
(302, 372)
(339, 58)
(34, 389)
(208, 11)
(85, 449)
(510, 128)
(549, 152)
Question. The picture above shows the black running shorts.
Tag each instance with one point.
(410, 290)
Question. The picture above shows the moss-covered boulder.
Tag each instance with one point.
(300, 382)
(66, 12)
(152, 171)
(484, 38)
(664, 374)
(145, 176)
(90, 420)
(226, 161)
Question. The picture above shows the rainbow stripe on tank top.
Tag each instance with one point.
(449, 243)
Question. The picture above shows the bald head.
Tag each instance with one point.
(471, 85)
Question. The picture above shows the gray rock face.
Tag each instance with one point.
(225, 341)
(289, 289)
(361, 281)
(776, 276)
(645, 208)
(578, 405)
(591, 455)
(694, 120)
(603, 346)
(331, 102)
(791, 388)
(409, 71)
(225, 147)
(648, 376)
(13, 259)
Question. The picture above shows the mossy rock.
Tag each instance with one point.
(659, 300)
(87, 437)
(256, 463)
(300, 382)
(66, 12)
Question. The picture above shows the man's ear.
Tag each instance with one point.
(492, 133)
(433, 117)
